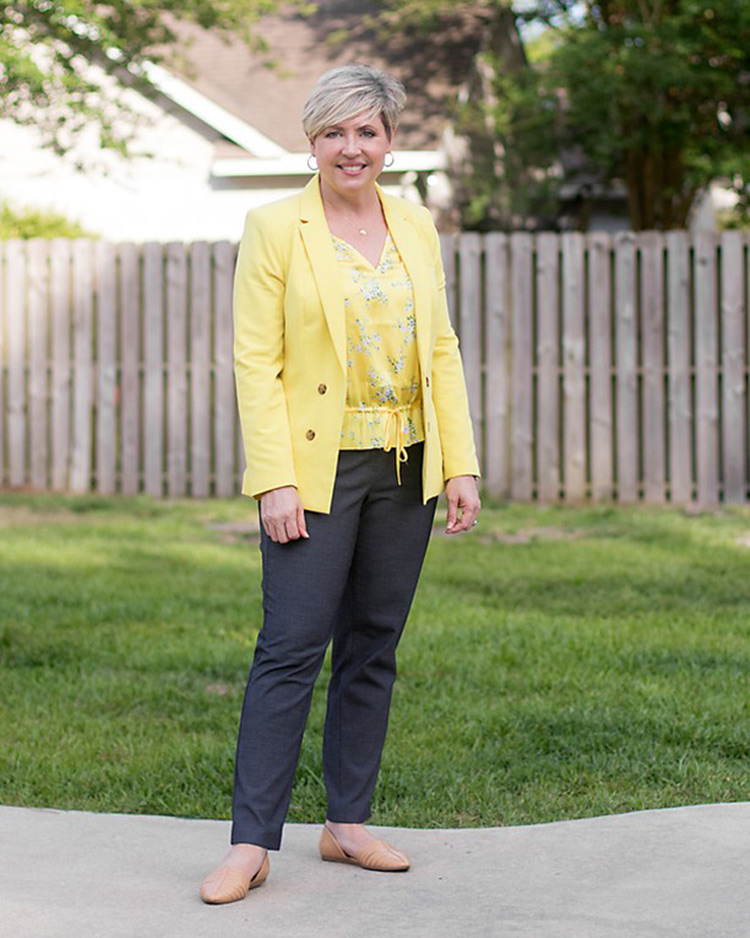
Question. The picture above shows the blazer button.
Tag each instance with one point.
(322, 389)
(310, 434)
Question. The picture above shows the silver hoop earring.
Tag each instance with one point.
(312, 168)
(387, 165)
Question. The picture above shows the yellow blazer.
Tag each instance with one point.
(290, 349)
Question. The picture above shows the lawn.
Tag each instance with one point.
(558, 663)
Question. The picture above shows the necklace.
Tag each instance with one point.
(362, 232)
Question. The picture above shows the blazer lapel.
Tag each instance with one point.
(322, 257)
(411, 247)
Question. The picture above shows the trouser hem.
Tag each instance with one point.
(270, 840)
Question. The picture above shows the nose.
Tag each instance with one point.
(351, 144)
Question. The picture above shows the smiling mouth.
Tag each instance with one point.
(351, 167)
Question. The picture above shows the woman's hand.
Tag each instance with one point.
(463, 496)
(282, 515)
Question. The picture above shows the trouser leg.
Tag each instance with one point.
(392, 538)
(303, 583)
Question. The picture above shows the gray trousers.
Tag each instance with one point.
(353, 581)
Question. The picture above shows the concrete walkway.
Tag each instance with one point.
(679, 872)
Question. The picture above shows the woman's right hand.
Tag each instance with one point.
(282, 515)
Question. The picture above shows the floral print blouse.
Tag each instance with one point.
(383, 391)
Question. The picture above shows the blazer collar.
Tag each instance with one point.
(411, 246)
(317, 239)
(319, 247)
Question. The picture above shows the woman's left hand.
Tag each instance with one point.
(463, 497)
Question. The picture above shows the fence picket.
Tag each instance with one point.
(200, 368)
(522, 434)
(679, 375)
(15, 286)
(600, 366)
(176, 370)
(106, 368)
(733, 424)
(706, 362)
(83, 373)
(130, 384)
(574, 358)
(470, 306)
(38, 292)
(153, 352)
(652, 323)
(626, 402)
(496, 358)
(548, 366)
(224, 395)
(60, 305)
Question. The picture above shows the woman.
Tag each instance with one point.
(354, 416)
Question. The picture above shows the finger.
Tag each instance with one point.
(469, 513)
(301, 523)
(450, 518)
(460, 524)
(291, 529)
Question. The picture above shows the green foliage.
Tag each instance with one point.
(733, 219)
(656, 95)
(557, 663)
(48, 48)
(34, 223)
(513, 170)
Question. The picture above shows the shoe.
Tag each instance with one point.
(229, 883)
(377, 855)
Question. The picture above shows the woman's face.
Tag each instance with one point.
(350, 155)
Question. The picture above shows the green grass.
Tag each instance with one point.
(558, 663)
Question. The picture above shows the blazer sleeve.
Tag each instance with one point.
(448, 383)
(258, 310)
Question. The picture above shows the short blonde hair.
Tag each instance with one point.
(343, 93)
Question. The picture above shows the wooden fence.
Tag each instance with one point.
(599, 367)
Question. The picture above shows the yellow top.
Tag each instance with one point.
(383, 388)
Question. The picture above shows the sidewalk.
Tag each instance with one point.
(669, 873)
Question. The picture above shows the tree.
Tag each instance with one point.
(651, 94)
(55, 56)
(656, 93)
(494, 172)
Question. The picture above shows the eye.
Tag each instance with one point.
(333, 133)
(368, 133)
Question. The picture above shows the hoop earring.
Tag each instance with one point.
(312, 168)
(387, 165)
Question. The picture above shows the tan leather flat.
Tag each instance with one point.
(229, 883)
(377, 855)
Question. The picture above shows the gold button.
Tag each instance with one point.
(322, 389)
(310, 434)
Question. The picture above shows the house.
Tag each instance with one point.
(223, 131)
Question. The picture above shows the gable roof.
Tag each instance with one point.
(266, 90)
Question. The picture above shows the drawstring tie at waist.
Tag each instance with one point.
(396, 426)
(396, 419)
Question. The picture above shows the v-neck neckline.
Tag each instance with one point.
(356, 250)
